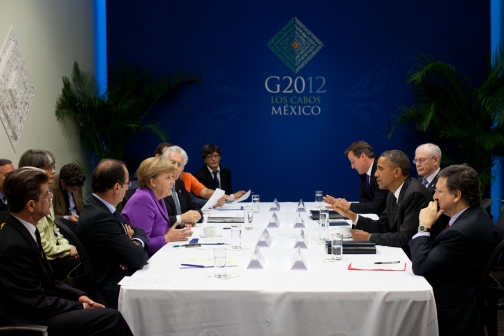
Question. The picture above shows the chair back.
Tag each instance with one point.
(127, 196)
(485, 203)
(3, 216)
(499, 227)
(496, 259)
(82, 276)
(24, 330)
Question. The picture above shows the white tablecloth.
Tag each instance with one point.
(326, 299)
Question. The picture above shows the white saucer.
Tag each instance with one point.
(348, 235)
(203, 236)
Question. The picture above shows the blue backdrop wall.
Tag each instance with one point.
(288, 85)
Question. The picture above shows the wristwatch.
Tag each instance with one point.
(423, 228)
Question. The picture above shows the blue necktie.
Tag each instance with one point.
(425, 182)
(176, 201)
(216, 180)
(367, 183)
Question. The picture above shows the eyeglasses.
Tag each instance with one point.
(214, 156)
(422, 160)
(48, 195)
(127, 183)
(439, 191)
(51, 167)
(176, 164)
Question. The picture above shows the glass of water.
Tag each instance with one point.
(319, 195)
(337, 246)
(220, 262)
(323, 225)
(256, 201)
(236, 236)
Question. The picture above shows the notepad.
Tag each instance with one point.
(374, 266)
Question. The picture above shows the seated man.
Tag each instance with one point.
(29, 293)
(427, 161)
(67, 191)
(115, 249)
(179, 158)
(214, 176)
(157, 152)
(453, 263)
(5, 168)
(399, 222)
(62, 256)
(372, 199)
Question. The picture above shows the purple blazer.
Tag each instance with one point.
(144, 211)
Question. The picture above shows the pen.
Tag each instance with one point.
(178, 245)
(193, 265)
(387, 262)
(226, 228)
(211, 243)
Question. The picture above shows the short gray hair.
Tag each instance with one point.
(397, 158)
(176, 149)
(432, 149)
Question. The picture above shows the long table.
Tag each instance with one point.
(326, 299)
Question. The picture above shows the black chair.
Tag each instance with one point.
(491, 288)
(82, 276)
(24, 330)
(127, 196)
(3, 216)
(486, 202)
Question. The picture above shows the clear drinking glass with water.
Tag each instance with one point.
(319, 196)
(337, 246)
(256, 201)
(323, 225)
(220, 262)
(236, 236)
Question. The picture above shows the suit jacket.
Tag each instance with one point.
(3, 206)
(186, 202)
(146, 212)
(60, 199)
(370, 201)
(107, 244)
(206, 178)
(28, 290)
(453, 264)
(397, 232)
(431, 186)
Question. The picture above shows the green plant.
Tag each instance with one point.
(466, 121)
(108, 119)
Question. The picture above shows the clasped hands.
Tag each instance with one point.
(342, 206)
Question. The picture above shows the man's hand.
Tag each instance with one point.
(89, 304)
(175, 234)
(129, 231)
(220, 202)
(340, 205)
(123, 267)
(360, 235)
(191, 216)
(73, 219)
(429, 215)
(329, 200)
(239, 194)
(73, 252)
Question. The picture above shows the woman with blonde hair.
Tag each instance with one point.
(146, 209)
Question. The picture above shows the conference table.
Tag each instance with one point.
(325, 299)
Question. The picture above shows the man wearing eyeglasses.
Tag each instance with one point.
(427, 160)
(454, 261)
(115, 248)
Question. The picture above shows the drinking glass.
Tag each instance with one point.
(319, 195)
(323, 225)
(256, 201)
(220, 262)
(337, 246)
(236, 236)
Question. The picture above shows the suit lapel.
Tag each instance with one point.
(159, 205)
(16, 224)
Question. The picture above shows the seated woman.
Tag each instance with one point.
(146, 209)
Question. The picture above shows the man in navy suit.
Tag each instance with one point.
(5, 168)
(453, 263)
(29, 292)
(372, 199)
(427, 161)
(115, 249)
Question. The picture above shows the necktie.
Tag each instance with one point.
(367, 183)
(4, 199)
(394, 210)
(39, 242)
(176, 201)
(216, 180)
(120, 220)
(425, 182)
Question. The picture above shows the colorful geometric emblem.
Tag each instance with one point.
(295, 45)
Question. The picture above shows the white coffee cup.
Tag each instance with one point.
(209, 231)
(345, 230)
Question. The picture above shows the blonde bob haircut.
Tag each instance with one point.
(151, 168)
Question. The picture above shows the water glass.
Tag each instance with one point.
(337, 246)
(220, 262)
(256, 201)
(319, 196)
(323, 225)
(236, 236)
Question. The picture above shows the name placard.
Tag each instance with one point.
(299, 223)
(276, 206)
(265, 240)
(257, 261)
(297, 261)
(301, 206)
(274, 222)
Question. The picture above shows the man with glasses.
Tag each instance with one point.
(29, 292)
(62, 256)
(213, 175)
(454, 261)
(427, 160)
(115, 249)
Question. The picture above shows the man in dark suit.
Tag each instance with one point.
(29, 292)
(427, 161)
(372, 199)
(186, 211)
(406, 197)
(5, 168)
(115, 249)
(212, 175)
(453, 263)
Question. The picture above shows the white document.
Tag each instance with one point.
(215, 240)
(231, 206)
(226, 215)
(144, 282)
(243, 198)
(378, 265)
(218, 193)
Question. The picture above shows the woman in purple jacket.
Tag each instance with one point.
(146, 209)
